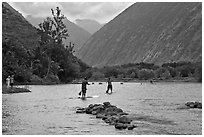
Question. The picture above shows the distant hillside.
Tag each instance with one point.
(77, 35)
(89, 25)
(16, 28)
(148, 32)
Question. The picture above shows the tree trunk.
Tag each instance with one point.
(49, 65)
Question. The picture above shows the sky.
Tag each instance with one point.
(102, 12)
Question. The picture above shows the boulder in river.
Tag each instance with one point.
(194, 105)
(131, 127)
(124, 120)
(106, 103)
(120, 126)
(109, 114)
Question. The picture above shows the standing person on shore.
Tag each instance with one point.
(84, 83)
(109, 85)
(12, 81)
(8, 82)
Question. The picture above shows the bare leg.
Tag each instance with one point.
(107, 90)
(111, 88)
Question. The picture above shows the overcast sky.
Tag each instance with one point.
(102, 12)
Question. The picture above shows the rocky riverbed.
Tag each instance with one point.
(113, 115)
(109, 114)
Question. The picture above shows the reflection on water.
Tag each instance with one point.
(153, 107)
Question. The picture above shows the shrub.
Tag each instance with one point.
(51, 78)
(22, 75)
(145, 74)
(172, 71)
(198, 73)
(111, 72)
(36, 79)
(162, 73)
(97, 75)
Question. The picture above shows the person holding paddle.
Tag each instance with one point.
(109, 85)
(83, 88)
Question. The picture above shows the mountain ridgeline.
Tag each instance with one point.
(148, 32)
(77, 35)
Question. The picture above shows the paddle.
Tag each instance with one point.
(80, 93)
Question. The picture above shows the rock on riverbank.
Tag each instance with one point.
(109, 114)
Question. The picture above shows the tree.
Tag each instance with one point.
(52, 32)
(162, 73)
(54, 28)
(145, 74)
(97, 75)
(111, 72)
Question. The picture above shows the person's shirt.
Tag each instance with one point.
(84, 83)
(7, 80)
(11, 79)
(109, 82)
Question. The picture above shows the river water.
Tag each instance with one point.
(155, 109)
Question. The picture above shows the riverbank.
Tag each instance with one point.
(6, 90)
(122, 80)
(135, 80)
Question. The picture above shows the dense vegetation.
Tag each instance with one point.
(49, 61)
(147, 71)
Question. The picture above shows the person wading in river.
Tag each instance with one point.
(83, 90)
(109, 85)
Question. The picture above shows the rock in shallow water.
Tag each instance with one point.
(106, 103)
(120, 126)
(124, 120)
(131, 127)
(110, 114)
(194, 105)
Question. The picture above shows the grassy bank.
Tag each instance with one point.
(6, 90)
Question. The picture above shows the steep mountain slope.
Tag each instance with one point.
(16, 28)
(148, 32)
(89, 25)
(77, 35)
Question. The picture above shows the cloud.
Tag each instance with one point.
(99, 11)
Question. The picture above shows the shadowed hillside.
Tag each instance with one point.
(148, 32)
(17, 29)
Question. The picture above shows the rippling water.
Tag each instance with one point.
(155, 109)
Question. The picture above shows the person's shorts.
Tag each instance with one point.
(11, 84)
(109, 86)
(83, 91)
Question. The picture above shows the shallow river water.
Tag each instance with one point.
(155, 108)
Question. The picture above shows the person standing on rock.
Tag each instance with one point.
(109, 85)
(84, 83)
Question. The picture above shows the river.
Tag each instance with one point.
(51, 109)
